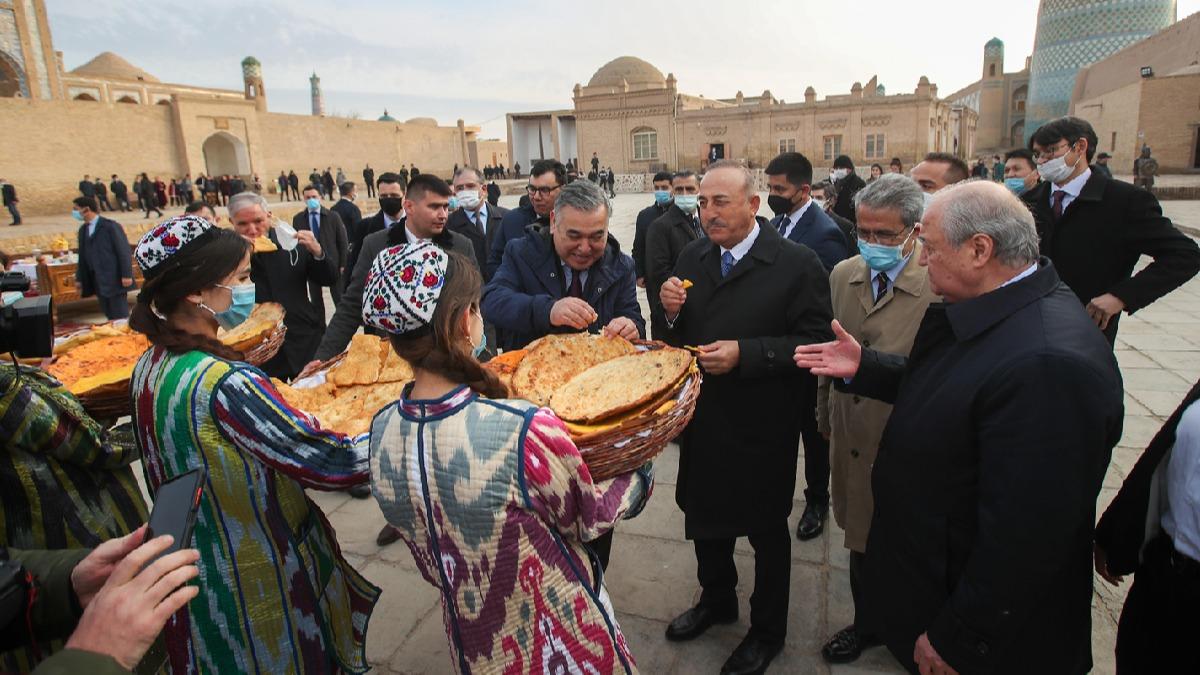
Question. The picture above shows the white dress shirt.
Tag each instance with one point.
(740, 249)
(1072, 189)
(1181, 518)
(789, 221)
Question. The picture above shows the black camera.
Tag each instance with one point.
(27, 324)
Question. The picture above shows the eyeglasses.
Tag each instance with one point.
(1063, 146)
(880, 236)
(543, 191)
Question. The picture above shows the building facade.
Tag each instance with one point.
(1000, 99)
(1073, 34)
(637, 121)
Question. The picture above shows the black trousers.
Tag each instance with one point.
(1160, 619)
(816, 448)
(370, 189)
(718, 578)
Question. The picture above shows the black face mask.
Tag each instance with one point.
(779, 204)
(391, 205)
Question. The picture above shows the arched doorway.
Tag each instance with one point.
(225, 154)
(12, 78)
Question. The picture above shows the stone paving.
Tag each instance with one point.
(652, 575)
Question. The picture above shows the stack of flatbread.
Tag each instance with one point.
(369, 377)
(263, 320)
(551, 361)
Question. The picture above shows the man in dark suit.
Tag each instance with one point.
(1006, 412)
(351, 217)
(369, 181)
(282, 182)
(9, 194)
(823, 195)
(1095, 229)
(493, 194)
(287, 277)
(120, 192)
(87, 188)
(327, 183)
(390, 190)
(789, 181)
(294, 184)
(330, 233)
(102, 195)
(662, 201)
(848, 183)
(105, 267)
(476, 219)
(546, 178)
(666, 238)
(755, 297)
(1152, 531)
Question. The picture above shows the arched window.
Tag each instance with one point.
(1018, 99)
(645, 144)
(127, 99)
(165, 101)
(84, 97)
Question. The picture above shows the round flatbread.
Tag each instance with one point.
(263, 320)
(553, 360)
(621, 384)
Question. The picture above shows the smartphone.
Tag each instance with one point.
(175, 507)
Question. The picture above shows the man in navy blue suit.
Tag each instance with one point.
(105, 259)
(799, 219)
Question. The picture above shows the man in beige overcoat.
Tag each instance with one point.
(879, 297)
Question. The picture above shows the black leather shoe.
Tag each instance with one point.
(847, 645)
(360, 491)
(812, 523)
(387, 535)
(692, 623)
(751, 657)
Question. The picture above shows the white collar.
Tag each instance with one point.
(412, 238)
(795, 217)
(741, 248)
(1028, 271)
(1075, 186)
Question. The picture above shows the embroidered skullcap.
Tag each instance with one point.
(167, 239)
(403, 287)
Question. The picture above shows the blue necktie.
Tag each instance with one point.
(726, 263)
(314, 224)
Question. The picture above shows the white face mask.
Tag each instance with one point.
(838, 174)
(819, 202)
(468, 199)
(1057, 170)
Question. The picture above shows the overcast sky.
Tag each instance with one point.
(479, 60)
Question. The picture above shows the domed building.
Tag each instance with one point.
(638, 122)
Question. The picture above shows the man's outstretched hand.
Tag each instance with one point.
(839, 358)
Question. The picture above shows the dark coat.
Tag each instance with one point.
(276, 279)
(101, 191)
(461, 223)
(351, 216)
(87, 188)
(849, 231)
(293, 181)
(846, 189)
(369, 176)
(493, 194)
(512, 227)
(1100, 237)
(332, 236)
(665, 240)
(348, 316)
(10, 194)
(737, 459)
(985, 485)
(817, 231)
(1128, 524)
(641, 225)
(518, 298)
(104, 259)
(119, 190)
(366, 227)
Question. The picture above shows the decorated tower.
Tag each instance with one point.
(318, 99)
(253, 80)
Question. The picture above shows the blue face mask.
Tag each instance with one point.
(77, 215)
(313, 204)
(453, 203)
(1017, 185)
(240, 305)
(687, 203)
(482, 346)
(661, 197)
(879, 257)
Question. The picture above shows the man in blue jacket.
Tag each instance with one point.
(105, 260)
(571, 277)
(546, 178)
(798, 218)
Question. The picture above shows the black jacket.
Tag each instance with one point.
(87, 188)
(119, 190)
(10, 194)
(1100, 237)
(461, 223)
(347, 317)
(493, 194)
(104, 259)
(366, 227)
(737, 459)
(846, 189)
(351, 216)
(641, 225)
(332, 237)
(1128, 524)
(277, 279)
(666, 238)
(985, 485)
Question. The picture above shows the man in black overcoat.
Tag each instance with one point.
(754, 297)
(666, 238)
(1005, 415)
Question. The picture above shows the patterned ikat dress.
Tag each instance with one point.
(276, 595)
(495, 502)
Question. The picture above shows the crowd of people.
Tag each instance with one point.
(940, 344)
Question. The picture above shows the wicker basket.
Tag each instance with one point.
(112, 401)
